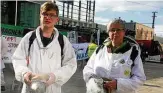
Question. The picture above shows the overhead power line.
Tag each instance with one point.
(145, 4)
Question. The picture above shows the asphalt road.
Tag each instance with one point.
(76, 84)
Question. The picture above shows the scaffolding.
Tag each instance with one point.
(77, 13)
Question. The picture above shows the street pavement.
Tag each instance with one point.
(152, 86)
(154, 83)
(76, 84)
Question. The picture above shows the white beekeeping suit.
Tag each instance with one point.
(117, 66)
(45, 60)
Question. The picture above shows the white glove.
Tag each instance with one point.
(95, 85)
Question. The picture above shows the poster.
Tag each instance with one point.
(72, 36)
(12, 36)
(12, 43)
(81, 50)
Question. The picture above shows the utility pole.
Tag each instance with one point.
(154, 15)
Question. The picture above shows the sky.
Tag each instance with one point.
(137, 10)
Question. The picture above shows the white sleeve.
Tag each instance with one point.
(19, 59)
(69, 64)
(137, 79)
(88, 69)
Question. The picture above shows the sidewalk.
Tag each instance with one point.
(152, 86)
(154, 83)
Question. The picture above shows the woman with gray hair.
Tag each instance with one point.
(117, 62)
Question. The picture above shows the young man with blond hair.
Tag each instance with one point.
(44, 59)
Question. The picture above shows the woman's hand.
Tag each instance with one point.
(110, 85)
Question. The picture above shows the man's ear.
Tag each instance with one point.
(58, 19)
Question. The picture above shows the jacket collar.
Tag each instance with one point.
(39, 38)
(125, 46)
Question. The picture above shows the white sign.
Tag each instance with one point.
(72, 36)
(81, 50)
(12, 42)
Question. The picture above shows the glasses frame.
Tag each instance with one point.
(49, 15)
(116, 29)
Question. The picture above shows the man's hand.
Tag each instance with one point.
(43, 77)
(46, 78)
(51, 79)
(27, 78)
(110, 85)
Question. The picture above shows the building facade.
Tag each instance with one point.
(20, 13)
(74, 16)
(26, 13)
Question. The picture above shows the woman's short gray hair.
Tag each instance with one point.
(120, 21)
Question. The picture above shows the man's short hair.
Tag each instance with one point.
(47, 6)
(120, 21)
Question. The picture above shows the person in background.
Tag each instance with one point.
(144, 52)
(91, 47)
(117, 62)
(3, 52)
(44, 61)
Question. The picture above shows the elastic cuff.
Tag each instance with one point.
(23, 73)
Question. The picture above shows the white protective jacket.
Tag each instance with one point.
(45, 60)
(117, 66)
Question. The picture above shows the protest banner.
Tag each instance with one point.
(12, 35)
(81, 50)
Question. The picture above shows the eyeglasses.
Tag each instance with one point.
(115, 29)
(50, 15)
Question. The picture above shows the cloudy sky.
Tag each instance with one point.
(136, 10)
